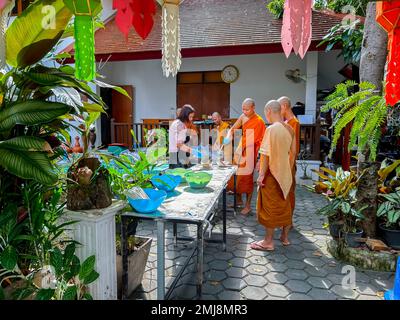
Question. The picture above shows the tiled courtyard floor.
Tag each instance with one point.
(304, 270)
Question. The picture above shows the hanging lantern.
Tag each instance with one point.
(388, 16)
(296, 27)
(85, 11)
(124, 15)
(136, 13)
(171, 48)
(5, 9)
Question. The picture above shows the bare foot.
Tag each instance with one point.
(238, 205)
(285, 241)
(245, 211)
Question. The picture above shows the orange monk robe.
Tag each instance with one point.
(295, 124)
(222, 131)
(273, 203)
(252, 135)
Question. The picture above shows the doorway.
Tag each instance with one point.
(205, 91)
(116, 124)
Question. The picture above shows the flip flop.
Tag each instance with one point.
(259, 247)
(285, 243)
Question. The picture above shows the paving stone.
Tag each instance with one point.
(212, 288)
(321, 294)
(234, 284)
(277, 277)
(254, 293)
(318, 282)
(315, 271)
(278, 267)
(315, 262)
(257, 281)
(298, 286)
(239, 262)
(295, 264)
(343, 292)
(219, 265)
(215, 275)
(296, 274)
(258, 260)
(366, 289)
(298, 296)
(277, 290)
(230, 295)
(240, 253)
(295, 256)
(235, 272)
(280, 258)
(257, 269)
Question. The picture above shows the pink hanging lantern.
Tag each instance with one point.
(296, 27)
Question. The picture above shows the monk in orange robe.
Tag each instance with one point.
(253, 128)
(275, 178)
(289, 117)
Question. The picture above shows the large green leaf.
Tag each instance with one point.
(26, 143)
(70, 293)
(45, 294)
(32, 112)
(27, 40)
(87, 267)
(28, 165)
(8, 258)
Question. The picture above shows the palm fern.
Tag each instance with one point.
(364, 109)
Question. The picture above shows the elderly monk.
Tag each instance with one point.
(289, 117)
(253, 128)
(275, 179)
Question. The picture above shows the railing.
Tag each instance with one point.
(121, 133)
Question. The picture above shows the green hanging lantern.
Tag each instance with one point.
(85, 11)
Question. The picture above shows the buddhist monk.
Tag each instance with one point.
(221, 128)
(253, 128)
(275, 179)
(289, 117)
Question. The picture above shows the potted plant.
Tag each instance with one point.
(352, 230)
(389, 210)
(339, 188)
(138, 253)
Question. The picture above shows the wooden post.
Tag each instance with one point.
(112, 125)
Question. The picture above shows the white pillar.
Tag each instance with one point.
(96, 232)
(311, 84)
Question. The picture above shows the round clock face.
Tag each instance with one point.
(230, 74)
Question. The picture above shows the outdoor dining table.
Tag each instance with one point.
(184, 206)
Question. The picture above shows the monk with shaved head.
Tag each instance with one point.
(253, 128)
(277, 150)
(289, 117)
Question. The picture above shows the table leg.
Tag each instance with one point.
(124, 253)
(160, 260)
(224, 219)
(234, 194)
(200, 246)
(175, 232)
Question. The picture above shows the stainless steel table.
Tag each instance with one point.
(184, 206)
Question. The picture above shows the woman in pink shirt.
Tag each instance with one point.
(180, 132)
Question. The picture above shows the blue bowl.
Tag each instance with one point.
(148, 205)
(166, 182)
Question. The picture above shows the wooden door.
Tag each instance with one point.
(122, 112)
(216, 98)
(191, 94)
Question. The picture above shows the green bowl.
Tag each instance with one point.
(178, 172)
(198, 180)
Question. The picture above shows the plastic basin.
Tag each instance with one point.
(198, 180)
(148, 205)
(166, 182)
(178, 172)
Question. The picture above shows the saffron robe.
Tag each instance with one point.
(252, 134)
(273, 203)
(295, 124)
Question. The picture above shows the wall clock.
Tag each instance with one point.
(230, 74)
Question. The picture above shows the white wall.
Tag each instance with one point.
(261, 77)
(328, 67)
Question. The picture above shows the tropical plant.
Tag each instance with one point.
(364, 109)
(389, 176)
(276, 7)
(389, 210)
(358, 7)
(348, 37)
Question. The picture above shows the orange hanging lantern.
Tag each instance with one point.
(388, 16)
